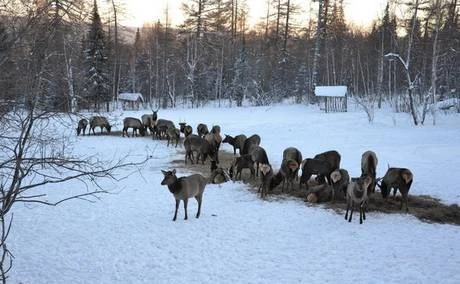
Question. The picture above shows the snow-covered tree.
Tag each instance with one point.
(97, 78)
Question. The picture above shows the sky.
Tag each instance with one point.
(358, 12)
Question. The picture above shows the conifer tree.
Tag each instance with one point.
(97, 82)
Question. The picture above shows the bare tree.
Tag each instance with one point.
(411, 82)
(34, 154)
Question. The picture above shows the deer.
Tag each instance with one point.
(161, 126)
(173, 134)
(357, 195)
(258, 156)
(251, 140)
(269, 179)
(369, 167)
(195, 143)
(237, 142)
(333, 158)
(99, 121)
(219, 175)
(82, 123)
(184, 188)
(214, 140)
(202, 129)
(185, 128)
(149, 120)
(135, 124)
(397, 178)
(314, 166)
(290, 165)
(339, 180)
(240, 163)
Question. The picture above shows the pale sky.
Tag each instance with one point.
(359, 12)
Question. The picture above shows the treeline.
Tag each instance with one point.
(63, 56)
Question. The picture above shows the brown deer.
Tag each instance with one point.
(184, 188)
(99, 121)
(135, 124)
(357, 195)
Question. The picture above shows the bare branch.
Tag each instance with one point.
(32, 199)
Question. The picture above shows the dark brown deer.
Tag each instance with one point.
(202, 129)
(184, 188)
(185, 128)
(397, 178)
(240, 163)
(250, 141)
(340, 180)
(333, 158)
(369, 167)
(290, 165)
(237, 142)
(314, 166)
(82, 124)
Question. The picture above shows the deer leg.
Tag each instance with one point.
(177, 207)
(348, 207)
(351, 211)
(364, 211)
(198, 199)
(185, 207)
(406, 197)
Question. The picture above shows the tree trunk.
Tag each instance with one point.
(320, 30)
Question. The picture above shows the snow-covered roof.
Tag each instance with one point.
(331, 91)
(131, 97)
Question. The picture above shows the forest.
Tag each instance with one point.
(66, 56)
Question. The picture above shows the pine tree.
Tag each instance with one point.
(240, 80)
(97, 82)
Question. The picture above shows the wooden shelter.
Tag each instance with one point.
(131, 100)
(334, 97)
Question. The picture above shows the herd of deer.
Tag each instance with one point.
(330, 184)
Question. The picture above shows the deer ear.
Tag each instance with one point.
(173, 171)
(164, 172)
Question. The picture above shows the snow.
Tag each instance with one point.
(331, 91)
(128, 236)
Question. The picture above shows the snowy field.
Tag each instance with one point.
(128, 236)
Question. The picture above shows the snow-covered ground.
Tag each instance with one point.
(128, 236)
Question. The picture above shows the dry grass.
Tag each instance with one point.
(424, 207)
